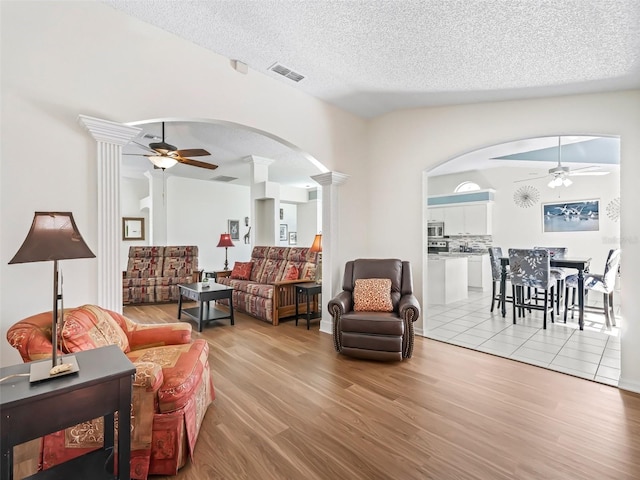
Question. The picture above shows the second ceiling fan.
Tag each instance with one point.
(164, 155)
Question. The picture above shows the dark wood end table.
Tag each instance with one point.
(102, 387)
(203, 293)
(309, 289)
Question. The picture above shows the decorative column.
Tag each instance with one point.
(110, 137)
(331, 270)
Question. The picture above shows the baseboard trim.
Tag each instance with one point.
(631, 386)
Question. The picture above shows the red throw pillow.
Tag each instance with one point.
(291, 273)
(241, 270)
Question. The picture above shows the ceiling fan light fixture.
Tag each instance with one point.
(566, 182)
(162, 162)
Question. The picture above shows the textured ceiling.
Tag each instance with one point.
(375, 56)
(370, 57)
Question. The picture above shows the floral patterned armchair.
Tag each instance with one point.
(172, 387)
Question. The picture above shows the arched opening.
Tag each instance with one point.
(261, 186)
(517, 175)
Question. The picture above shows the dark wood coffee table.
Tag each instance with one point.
(203, 293)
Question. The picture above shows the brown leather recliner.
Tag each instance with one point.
(376, 335)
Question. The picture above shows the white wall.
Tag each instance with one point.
(197, 213)
(403, 145)
(131, 192)
(49, 77)
(517, 227)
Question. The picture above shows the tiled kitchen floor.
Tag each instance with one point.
(593, 353)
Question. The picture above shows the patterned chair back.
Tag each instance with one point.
(530, 268)
(611, 269)
(555, 252)
(494, 254)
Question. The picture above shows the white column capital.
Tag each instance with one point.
(108, 131)
(330, 178)
(254, 159)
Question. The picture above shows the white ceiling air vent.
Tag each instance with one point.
(286, 72)
(224, 178)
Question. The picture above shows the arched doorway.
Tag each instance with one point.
(517, 174)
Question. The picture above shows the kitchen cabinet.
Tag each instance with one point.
(447, 279)
(435, 214)
(479, 272)
(473, 219)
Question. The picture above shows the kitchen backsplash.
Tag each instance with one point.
(479, 243)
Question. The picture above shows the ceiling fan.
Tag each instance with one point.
(164, 155)
(560, 174)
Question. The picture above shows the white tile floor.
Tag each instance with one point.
(593, 353)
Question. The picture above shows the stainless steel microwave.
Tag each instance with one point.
(435, 229)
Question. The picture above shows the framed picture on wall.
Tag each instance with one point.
(283, 232)
(234, 229)
(132, 228)
(577, 216)
(293, 238)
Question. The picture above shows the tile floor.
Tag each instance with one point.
(593, 353)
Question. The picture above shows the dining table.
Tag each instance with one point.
(579, 264)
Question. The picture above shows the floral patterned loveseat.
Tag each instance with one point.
(172, 388)
(265, 289)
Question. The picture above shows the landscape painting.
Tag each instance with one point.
(579, 216)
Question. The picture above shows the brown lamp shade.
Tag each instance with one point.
(53, 236)
(225, 240)
(317, 244)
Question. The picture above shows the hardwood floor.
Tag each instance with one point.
(288, 407)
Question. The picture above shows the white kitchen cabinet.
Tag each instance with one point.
(435, 214)
(479, 272)
(447, 279)
(474, 219)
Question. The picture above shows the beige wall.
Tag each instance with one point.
(61, 59)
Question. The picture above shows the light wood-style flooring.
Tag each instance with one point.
(288, 407)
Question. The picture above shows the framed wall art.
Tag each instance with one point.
(234, 229)
(577, 216)
(132, 228)
(283, 232)
(293, 238)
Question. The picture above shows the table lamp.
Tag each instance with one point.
(53, 236)
(316, 247)
(225, 241)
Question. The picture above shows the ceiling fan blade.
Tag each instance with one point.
(588, 173)
(142, 146)
(196, 163)
(530, 179)
(193, 152)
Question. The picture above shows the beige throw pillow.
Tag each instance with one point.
(372, 295)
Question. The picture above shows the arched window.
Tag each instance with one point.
(467, 187)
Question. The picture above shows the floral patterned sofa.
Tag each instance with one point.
(172, 388)
(153, 273)
(264, 286)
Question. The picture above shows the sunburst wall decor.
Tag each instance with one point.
(613, 209)
(526, 196)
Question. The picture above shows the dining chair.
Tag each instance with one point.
(603, 283)
(560, 274)
(495, 253)
(530, 268)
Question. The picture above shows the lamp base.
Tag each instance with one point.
(42, 370)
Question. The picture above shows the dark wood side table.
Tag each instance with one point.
(309, 289)
(102, 387)
(215, 274)
(203, 293)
